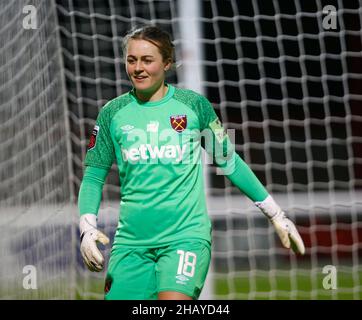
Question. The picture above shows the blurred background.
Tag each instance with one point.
(285, 75)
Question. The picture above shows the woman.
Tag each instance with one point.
(162, 243)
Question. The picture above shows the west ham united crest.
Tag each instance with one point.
(179, 122)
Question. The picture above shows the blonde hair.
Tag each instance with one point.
(160, 38)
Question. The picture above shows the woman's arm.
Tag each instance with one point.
(89, 199)
(220, 148)
(90, 192)
(246, 181)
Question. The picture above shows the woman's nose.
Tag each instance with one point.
(138, 66)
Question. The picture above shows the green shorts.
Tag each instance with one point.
(141, 273)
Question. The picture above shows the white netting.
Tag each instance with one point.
(290, 89)
(36, 227)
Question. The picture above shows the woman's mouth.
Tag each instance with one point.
(139, 78)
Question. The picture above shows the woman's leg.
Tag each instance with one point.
(131, 275)
(181, 269)
(172, 295)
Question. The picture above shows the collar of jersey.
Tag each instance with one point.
(168, 96)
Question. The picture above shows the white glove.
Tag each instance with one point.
(89, 236)
(284, 227)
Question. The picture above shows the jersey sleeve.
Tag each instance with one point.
(90, 191)
(216, 141)
(100, 149)
(222, 150)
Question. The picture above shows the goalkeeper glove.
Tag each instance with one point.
(284, 227)
(89, 236)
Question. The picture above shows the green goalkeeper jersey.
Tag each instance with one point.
(157, 147)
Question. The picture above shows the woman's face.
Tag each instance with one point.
(145, 66)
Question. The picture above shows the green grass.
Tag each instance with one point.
(243, 285)
(284, 287)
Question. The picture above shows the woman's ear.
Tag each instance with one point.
(167, 65)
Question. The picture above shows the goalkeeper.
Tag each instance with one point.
(162, 243)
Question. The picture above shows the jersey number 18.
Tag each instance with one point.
(187, 262)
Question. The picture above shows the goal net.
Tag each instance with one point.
(38, 235)
(282, 75)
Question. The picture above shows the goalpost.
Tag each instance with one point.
(288, 87)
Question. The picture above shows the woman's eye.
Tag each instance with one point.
(130, 61)
(148, 61)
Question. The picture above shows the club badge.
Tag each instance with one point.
(93, 138)
(178, 122)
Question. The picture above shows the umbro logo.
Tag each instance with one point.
(182, 278)
(127, 127)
